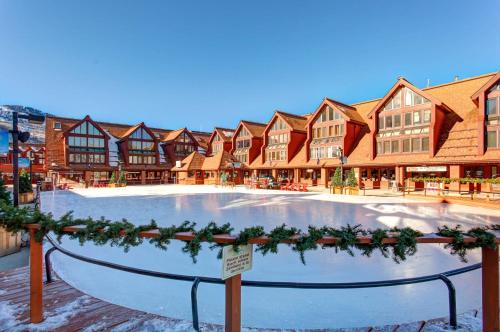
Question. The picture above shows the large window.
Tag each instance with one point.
(279, 124)
(184, 145)
(141, 148)
(493, 117)
(276, 155)
(404, 124)
(319, 152)
(86, 145)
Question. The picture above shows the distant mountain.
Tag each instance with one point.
(36, 130)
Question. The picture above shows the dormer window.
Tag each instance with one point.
(493, 117)
(86, 145)
(279, 124)
(141, 148)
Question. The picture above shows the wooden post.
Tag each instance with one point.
(491, 297)
(36, 279)
(233, 304)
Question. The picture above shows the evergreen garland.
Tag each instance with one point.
(125, 234)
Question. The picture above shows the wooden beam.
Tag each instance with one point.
(233, 304)
(491, 297)
(36, 279)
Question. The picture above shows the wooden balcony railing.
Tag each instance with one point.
(490, 274)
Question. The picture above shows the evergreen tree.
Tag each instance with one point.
(122, 178)
(4, 193)
(113, 178)
(351, 179)
(24, 182)
(336, 179)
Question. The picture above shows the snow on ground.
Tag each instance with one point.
(172, 204)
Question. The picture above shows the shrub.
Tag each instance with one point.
(112, 179)
(24, 182)
(122, 178)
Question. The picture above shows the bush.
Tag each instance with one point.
(351, 179)
(336, 179)
(24, 183)
(4, 193)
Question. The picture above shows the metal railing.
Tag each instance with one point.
(444, 277)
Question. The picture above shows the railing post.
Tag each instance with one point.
(233, 304)
(491, 297)
(36, 278)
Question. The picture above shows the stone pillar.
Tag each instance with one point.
(455, 172)
(324, 177)
(86, 177)
(274, 173)
(357, 173)
(400, 175)
(143, 177)
(296, 175)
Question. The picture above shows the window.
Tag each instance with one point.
(416, 118)
(425, 143)
(406, 145)
(415, 144)
(492, 141)
(388, 122)
(395, 146)
(381, 123)
(492, 106)
(379, 148)
(57, 125)
(397, 120)
(412, 98)
(387, 147)
(408, 117)
(279, 124)
(427, 116)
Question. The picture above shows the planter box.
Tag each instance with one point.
(113, 185)
(26, 198)
(9, 243)
(352, 191)
(336, 190)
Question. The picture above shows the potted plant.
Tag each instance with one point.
(336, 182)
(122, 180)
(25, 188)
(352, 183)
(112, 180)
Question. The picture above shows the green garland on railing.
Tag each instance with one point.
(454, 180)
(125, 234)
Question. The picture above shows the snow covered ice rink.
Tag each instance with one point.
(267, 307)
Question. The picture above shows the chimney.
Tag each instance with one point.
(456, 78)
(428, 82)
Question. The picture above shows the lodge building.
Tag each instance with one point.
(449, 130)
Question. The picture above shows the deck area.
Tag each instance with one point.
(67, 309)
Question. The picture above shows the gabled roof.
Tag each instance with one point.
(295, 122)
(254, 128)
(173, 134)
(194, 161)
(129, 131)
(87, 118)
(486, 86)
(218, 161)
(349, 112)
(402, 82)
(224, 133)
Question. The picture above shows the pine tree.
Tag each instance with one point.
(4, 193)
(336, 179)
(351, 179)
(24, 182)
(113, 178)
(122, 178)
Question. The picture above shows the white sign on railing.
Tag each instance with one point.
(236, 262)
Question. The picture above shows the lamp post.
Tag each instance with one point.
(17, 136)
(341, 158)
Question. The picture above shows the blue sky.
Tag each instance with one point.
(211, 63)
